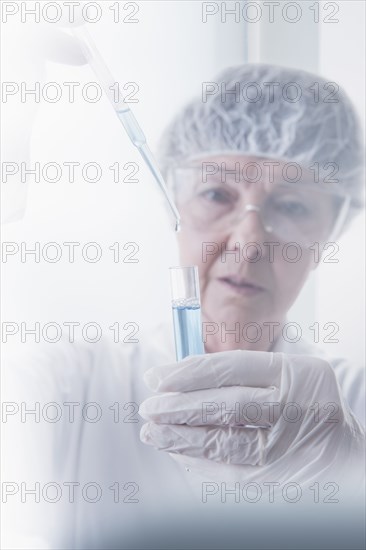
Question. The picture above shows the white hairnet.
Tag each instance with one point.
(321, 129)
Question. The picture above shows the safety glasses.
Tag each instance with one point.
(300, 212)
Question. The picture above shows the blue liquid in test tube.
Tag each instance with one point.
(186, 311)
(187, 330)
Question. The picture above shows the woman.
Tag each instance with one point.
(259, 181)
(246, 210)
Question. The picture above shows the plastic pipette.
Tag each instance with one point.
(123, 112)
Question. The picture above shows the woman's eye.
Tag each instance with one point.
(293, 208)
(215, 195)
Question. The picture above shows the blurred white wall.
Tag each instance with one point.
(341, 287)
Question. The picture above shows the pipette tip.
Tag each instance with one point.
(177, 226)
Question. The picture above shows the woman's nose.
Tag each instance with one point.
(248, 229)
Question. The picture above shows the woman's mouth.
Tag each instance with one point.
(242, 286)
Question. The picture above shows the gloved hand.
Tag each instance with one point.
(30, 46)
(307, 433)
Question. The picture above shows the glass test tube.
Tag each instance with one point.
(186, 308)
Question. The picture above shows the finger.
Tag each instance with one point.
(228, 406)
(214, 370)
(226, 445)
(60, 47)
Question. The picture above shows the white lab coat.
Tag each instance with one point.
(108, 451)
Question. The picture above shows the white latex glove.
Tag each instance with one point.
(28, 47)
(311, 435)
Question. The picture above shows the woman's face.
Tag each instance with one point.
(246, 291)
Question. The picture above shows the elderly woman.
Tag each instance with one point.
(259, 185)
(262, 181)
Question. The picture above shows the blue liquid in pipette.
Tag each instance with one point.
(187, 331)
